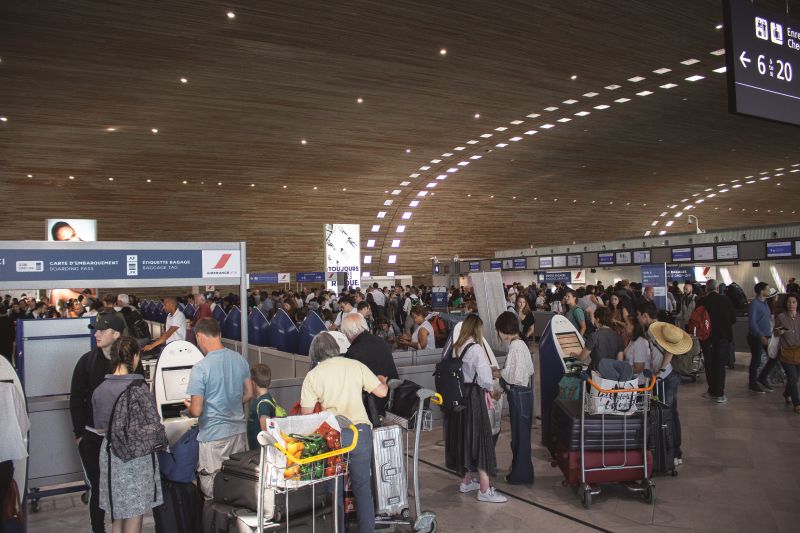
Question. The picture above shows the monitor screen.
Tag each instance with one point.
(779, 249)
(727, 251)
(574, 260)
(546, 262)
(641, 256)
(559, 261)
(495, 264)
(474, 266)
(569, 343)
(703, 253)
(520, 263)
(176, 380)
(605, 258)
(508, 264)
(623, 258)
(681, 255)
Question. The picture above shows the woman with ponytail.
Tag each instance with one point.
(134, 485)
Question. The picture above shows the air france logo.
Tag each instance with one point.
(223, 260)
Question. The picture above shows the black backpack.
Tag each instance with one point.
(449, 378)
(137, 326)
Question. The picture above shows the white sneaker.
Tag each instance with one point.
(678, 461)
(464, 488)
(491, 496)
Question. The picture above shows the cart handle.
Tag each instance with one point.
(320, 457)
(617, 391)
(437, 399)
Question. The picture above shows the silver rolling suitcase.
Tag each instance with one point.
(391, 483)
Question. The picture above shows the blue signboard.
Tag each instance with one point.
(474, 266)
(679, 274)
(779, 249)
(439, 299)
(310, 277)
(263, 277)
(680, 255)
(552, 277)
(605, 259)
(520, 264)
(495, 265)
(656, 276)
(46, 265)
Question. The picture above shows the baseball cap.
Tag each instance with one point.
(108, 320)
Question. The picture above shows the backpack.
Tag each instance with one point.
(700, 323)
(134, 430)
(280, 412)
(449, 379)
(180, 462)
(440, 330)
(137, 326)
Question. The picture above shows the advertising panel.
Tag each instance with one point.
(343, 252)
(71, 229)
(656, 276)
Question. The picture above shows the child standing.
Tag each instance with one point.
(263, 405)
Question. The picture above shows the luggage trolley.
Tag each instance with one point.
(422, 420)
(629, 466)
(285, 486)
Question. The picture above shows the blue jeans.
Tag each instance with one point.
(792, 373)
(520, 406)
(360, 479)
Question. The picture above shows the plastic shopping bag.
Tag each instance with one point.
(611, 403)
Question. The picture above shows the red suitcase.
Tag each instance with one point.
(569, 461)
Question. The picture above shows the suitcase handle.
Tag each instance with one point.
(388, 472)
(320, 457)
(618, 391)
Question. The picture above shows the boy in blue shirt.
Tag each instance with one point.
(263, 406)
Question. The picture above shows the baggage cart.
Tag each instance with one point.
(421, 521)
(631, 466)
(281, 459)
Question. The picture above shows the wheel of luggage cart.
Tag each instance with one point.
(649, 492)
(586, 495)
(85, 497)
(426, 523)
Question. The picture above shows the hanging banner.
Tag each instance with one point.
(343, 252)
(656, 276)
(263, 278)
(552, 277)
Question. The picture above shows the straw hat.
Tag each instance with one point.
(670, 338)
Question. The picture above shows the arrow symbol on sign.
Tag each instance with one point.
(744, 59)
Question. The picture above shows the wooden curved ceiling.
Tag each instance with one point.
(282, 72)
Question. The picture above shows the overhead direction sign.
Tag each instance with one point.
(762, 52)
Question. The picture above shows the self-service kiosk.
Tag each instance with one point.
(310, 327)
(258, 328)
(559, 339)
(169, 386)
(232, 327)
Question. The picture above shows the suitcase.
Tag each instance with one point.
(218, 517)
(660, 438)
(609, 432)
(569, 461)
(389, 472)
(246, 521)
(182, 508)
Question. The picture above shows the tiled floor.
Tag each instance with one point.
(741, 473)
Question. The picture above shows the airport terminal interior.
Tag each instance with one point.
(400, 266)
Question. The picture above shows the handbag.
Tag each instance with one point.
(774, 347)
(790, 355)
(12, 509)
(616, 403)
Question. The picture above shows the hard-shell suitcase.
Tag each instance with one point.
(569, 461)
(607, 432)
(660, 438)
(181, 510)
(391, 482)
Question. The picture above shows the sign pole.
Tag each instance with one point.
(243, 295)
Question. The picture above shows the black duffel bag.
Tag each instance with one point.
(405, 402)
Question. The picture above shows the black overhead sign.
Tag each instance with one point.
(762, 52)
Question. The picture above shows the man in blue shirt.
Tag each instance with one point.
(219, 387)
(759, 332)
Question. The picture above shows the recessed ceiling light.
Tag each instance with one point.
(612, 87)
(601, 107)
(285, 186)
(644, 93)
(477, 115)
(551, 108)
(111, 129)
(315, 187)
(581, 113)
(360, 100)
(447, 154)
(344, 188)
(110, 179)
(721, 70)
(514, 139)
(231, 15)
(689, 62)
(220, 183)
(303, 141)
(718, 27)
(513, 197)
(570, 102)
(565, 119)
(501, 145)
(149, 180)
(30, 175)
(500, 128)
(590, 95)
(530, 132)
(414, 175)
(72, 177)
(408, 150)
(486, 135)
(3, 119)
(621, 100)
(573, 77)
(443, 52)
(668, 85)
(636, 79)
(547, 126)
(696, 77)
(719, 52)
(184, 182)
(252, 184)
(154, 130)
(184, 80)
(533, 115)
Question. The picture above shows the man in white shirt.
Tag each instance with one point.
(347, 307)
(380, 300)
(175, 327)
